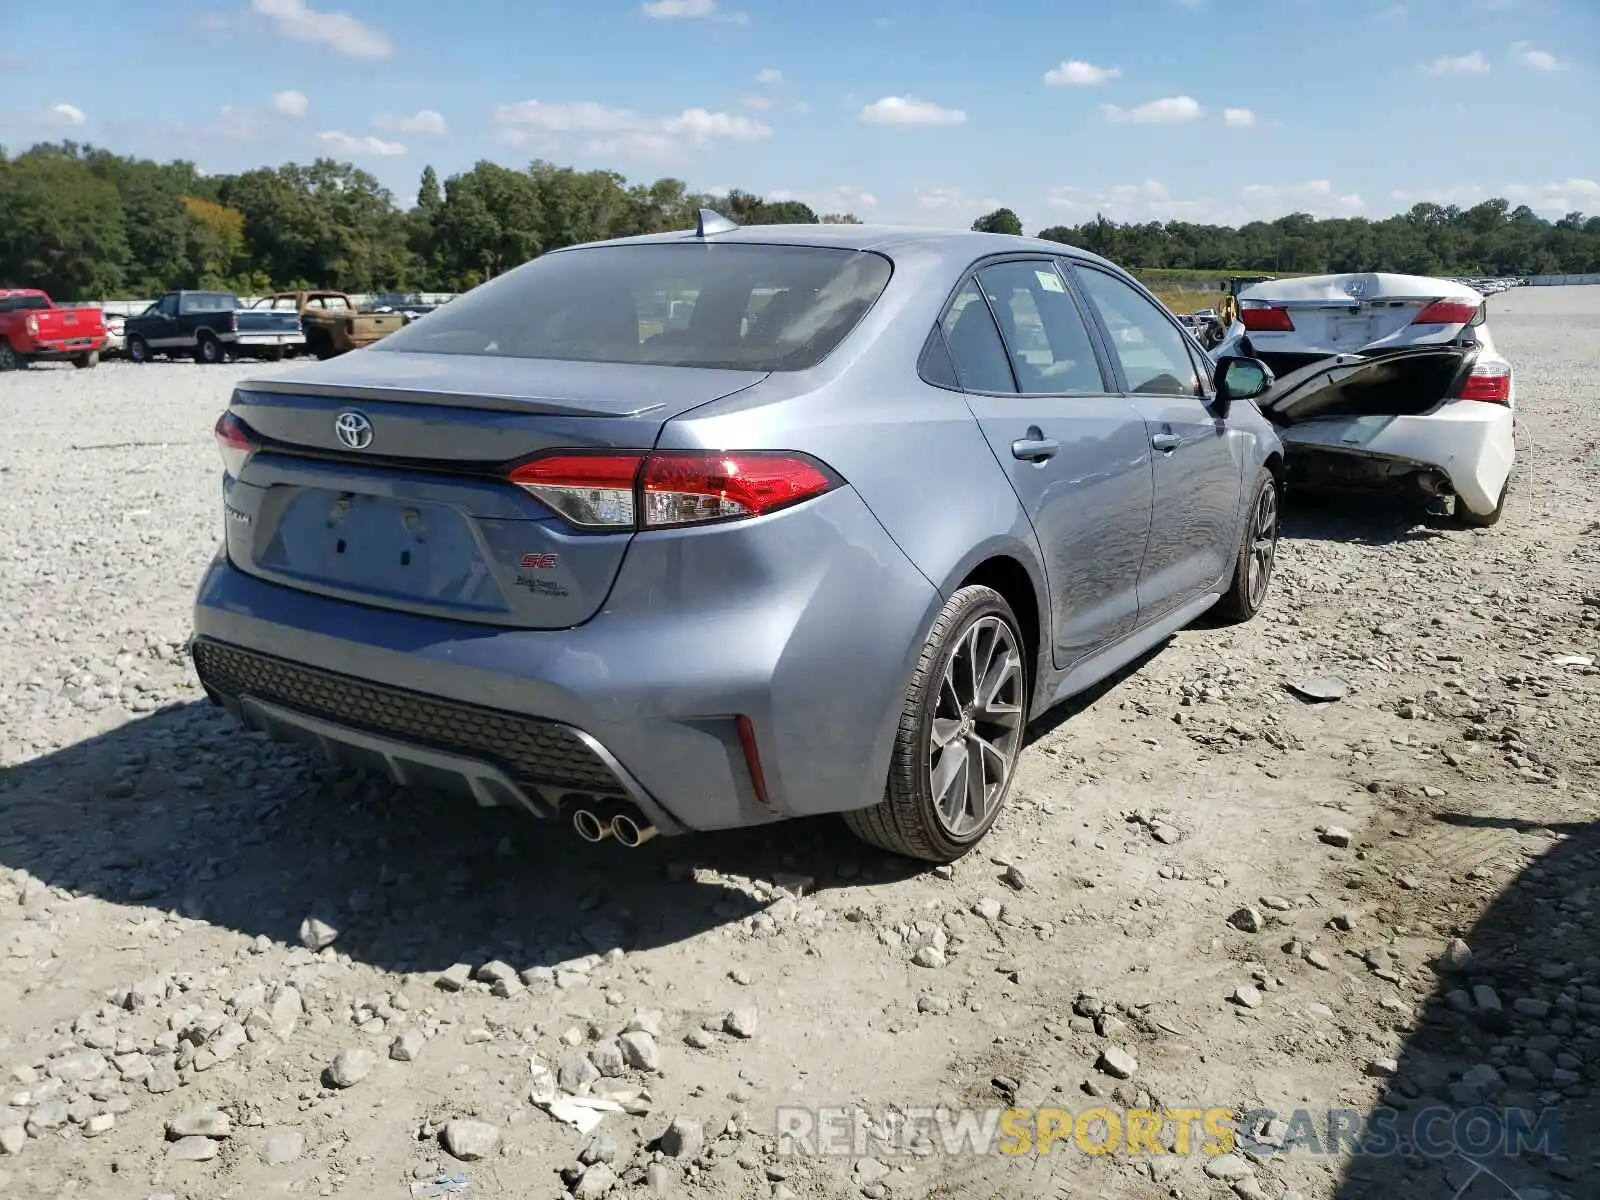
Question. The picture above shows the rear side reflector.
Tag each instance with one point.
(1447, 312)
(1490, 382)
(1266, 319)
(752, 759)
(637, 490)
(235, 442)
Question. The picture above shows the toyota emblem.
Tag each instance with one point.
(353, 429)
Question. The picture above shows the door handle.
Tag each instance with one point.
(1165, 442)
(1035, 449)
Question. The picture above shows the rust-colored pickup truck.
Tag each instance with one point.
(33, 329)
(332, 324)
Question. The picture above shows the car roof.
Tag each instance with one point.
(957, 244)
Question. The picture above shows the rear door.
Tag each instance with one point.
(1199, 461)
(1076, 452)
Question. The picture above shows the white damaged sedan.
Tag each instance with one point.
(1385, 381)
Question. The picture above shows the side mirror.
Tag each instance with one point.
(1239, 378)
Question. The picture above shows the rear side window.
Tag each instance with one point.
(206, 302)
(733, 305)
(1050, 347)
(970, 335)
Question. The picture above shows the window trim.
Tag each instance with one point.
(970, 275)
(1048, 260)
(1203, 395)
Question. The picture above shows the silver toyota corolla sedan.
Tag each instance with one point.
(711, 529)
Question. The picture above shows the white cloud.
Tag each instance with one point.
(845, 198)
(362, 147)
(1170, 110)
(1527, 55)
(769, 76)
(671, 10)
(761, 102)
(1561, 197)
(1318, 197)
(1394, 12)
(951, 207)
(691, 10)
(622, 131)
(1152, 200)
(1238, 116)
(67, 114)
(908, 110)
(1075, 73)
(422, 121)
(338, 31)
(290, 104)
(1464, 64)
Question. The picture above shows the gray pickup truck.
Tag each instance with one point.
(212, 328)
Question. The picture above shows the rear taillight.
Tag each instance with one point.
(672, 487)
(235, 443)
(32, 324)
(1490, 382)
(233, 322)
(1264, 318)
(1447, 312)
(595, 491)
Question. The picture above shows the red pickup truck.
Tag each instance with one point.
(33, 329)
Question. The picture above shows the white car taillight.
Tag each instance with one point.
(1490, 382)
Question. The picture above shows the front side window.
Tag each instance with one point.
(731, 305)
(1049, 343)
(1153, 354)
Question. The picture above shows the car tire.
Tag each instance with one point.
(10, 360)
(1258, 552)
(87, 362)
(138, 350)
(1471, 520)
(917, 817)
(208, 350)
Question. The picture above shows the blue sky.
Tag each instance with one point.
(928, 112)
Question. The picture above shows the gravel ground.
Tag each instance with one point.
(228, 971)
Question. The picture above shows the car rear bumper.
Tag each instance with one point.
(806, 622)
(1470, 442)
(251, 340)
(65, 348)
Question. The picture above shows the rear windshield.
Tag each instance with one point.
(733, 305)
(22, 303)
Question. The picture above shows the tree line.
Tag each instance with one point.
(86, 223)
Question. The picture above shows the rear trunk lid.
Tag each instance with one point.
(1395, 383)
(412, 510)
(1341, 314)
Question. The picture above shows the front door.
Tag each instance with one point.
(1076, 453)
(1199, 461)
(160, 326)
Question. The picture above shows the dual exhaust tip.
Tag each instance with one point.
(628, 832)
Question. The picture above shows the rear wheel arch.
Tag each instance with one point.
(1012, 580)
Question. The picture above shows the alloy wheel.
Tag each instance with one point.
(977, 726)
(1263, 544)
